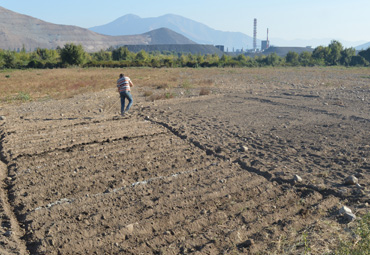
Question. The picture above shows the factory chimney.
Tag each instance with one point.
(255, 35)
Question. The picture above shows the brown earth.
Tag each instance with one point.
(208, 174)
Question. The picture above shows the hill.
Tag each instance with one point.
(198, 32)
(17, 30)
(363, 46)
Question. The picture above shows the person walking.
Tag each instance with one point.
(124, 85)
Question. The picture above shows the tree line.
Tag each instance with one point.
(74, 55)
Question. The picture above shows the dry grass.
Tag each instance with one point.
(17, 86)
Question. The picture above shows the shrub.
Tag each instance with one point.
(204, 91)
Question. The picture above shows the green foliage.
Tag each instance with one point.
(365, 54)
(292, 58)
(346, 56)
(122, 53)
(72, 54)
(305, 59)
(361, 245)
(9, 60)
(334, 54)
(22, 96)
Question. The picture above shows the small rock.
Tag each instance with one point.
(349, 216)
(344, 210)
(2, 118)
(244, 148)
(130, 228)
(297, 178)
(351, 180)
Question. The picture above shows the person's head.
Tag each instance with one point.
(121, 75)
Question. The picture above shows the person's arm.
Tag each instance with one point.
(131, 84)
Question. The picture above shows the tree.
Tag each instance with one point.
(292, 58)
(305, 58)
(141, 56)
(319, 54)
(365, 54)
(358, 61)
(334, 53)
(72, 54)
(273, 59)
(9, 59)
(121, 53)
(102, 55)
(346, 56)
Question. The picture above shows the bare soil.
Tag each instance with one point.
(209, 174)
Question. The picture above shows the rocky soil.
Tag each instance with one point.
(260, 165)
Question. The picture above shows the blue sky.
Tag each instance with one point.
(342, 20)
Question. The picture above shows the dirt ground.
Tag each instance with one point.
(210, 174)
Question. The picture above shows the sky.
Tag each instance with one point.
(342, 20)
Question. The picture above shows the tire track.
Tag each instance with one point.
(15, 232)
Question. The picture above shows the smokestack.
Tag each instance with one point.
(255, 35)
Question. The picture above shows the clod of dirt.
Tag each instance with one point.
(351, 180)
(246, 244)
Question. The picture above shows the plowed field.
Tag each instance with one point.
(210, 174)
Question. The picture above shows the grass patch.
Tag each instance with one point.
(163, 96)
(22, 96)
(187, 85)
(361, 241)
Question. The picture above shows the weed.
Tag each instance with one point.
(204, 91)
(163, 86)
(154, 97)
(361, 245)
(22, 96)
(187, 84)
(7, 76)
(306, 243)
(147, 93)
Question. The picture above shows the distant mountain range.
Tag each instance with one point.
(363, 46)
(195, 31)
(17, 30)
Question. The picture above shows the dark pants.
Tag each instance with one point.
(124, 95)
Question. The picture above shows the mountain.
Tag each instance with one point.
(363, 46)
(198, 32)
(17, 30)
(166, 36)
